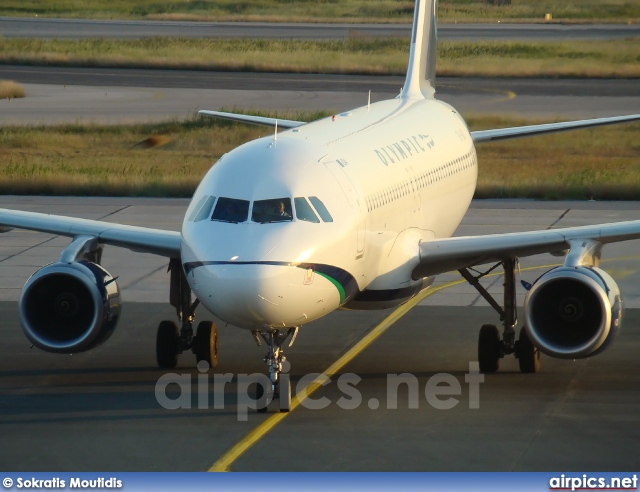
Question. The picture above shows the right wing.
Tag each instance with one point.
(140, 239)
(450, 254)
(255, 120)
(530, 130)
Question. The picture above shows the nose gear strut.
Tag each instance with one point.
(275, 360)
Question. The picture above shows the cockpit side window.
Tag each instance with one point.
(273, 210)
(304, 210)
(231, 210)
(205, 210)
(321, 209)
(197, 207)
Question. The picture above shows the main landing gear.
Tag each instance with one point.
(491, 346)
(280, 389)
(170, 341)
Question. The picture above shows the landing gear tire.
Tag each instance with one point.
(285, 396)
(167, 341)
(489, 349)
(528, 354)
(261, 402)
(206, 343)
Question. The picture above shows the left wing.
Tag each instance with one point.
(255, 120)
(477, 136)
(140, 239)
(445, 255)
(530, 130)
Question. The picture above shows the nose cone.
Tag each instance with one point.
(252, 295)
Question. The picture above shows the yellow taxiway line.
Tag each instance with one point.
(226, 460)
(223, 464)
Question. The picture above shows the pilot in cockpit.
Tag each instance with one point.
(281, 210)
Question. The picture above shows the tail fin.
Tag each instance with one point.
(421, 74)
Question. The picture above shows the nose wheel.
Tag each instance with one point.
(205, 344)
(280, 385)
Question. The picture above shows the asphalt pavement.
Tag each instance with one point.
(114, 96)
(105, 410)
(32, 27)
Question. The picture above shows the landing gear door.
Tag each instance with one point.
(337, 170)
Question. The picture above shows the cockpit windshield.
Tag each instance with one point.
(235, 211)
(273, 210)
(231, 210)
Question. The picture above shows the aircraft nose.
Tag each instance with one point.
(258, 294)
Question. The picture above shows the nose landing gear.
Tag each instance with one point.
(280, 389)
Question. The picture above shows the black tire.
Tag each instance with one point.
(261, 406)
(489, 349)
(206, 343)
(167, 345)
(285, 394)
(528, 354)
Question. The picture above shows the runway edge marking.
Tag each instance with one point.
(223, 464)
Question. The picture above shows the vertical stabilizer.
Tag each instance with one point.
(421, 73)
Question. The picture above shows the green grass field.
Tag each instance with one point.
(601, 163)
(619, 58)
(328, 10)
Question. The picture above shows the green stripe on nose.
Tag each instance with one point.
(336, 284)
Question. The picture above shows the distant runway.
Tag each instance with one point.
(69, 94)
(293, 82)
(81, 28)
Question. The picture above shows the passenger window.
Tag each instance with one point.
(205, 210)
(304, 210)
(231, 210)
(274, 210)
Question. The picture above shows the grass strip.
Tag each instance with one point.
(604, 59)
(602, 163)
(327, 11)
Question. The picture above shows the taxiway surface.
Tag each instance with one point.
(69, 95)
(100, 410)
(30, 27)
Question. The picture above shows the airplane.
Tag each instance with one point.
(353, 211)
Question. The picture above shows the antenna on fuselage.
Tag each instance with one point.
(369, 101)
(275, 137)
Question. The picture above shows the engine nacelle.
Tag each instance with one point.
(573, 312)
(69, 307)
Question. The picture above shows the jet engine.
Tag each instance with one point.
(573, 312)
(69, 307)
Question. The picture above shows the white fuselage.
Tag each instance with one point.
(389, 175)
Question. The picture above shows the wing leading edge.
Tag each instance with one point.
(141, 239)
(530, 130)
(445, 255)
(255, 120)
